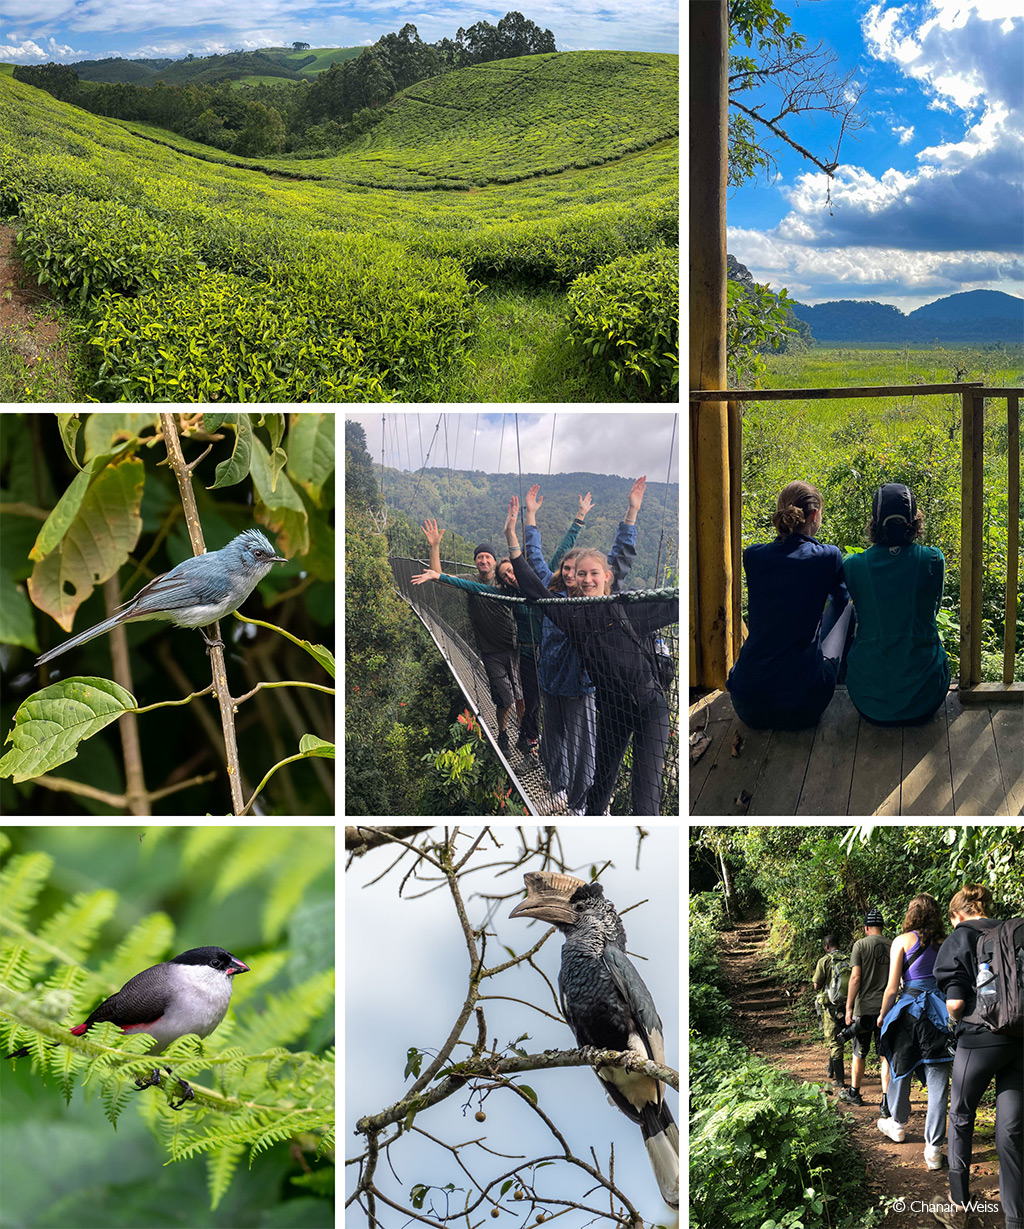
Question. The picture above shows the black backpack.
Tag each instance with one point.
(1001, 947)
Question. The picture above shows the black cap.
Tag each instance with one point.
(483, 549)
(873, 917)
(893, 510)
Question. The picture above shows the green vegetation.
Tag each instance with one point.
(621, 317)
(847, 449)
(193, 274)
(411, 746)
(767, 1151)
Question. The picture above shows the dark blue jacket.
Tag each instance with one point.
(788, 583)
(561, 672)
(915, 1031)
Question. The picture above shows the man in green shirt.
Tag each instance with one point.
(869, 974)
(832, 1009)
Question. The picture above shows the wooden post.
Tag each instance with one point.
(1013, 533)
(711, 525)
(972, 505)
(977, 526)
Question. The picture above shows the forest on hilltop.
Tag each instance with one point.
(201, 98)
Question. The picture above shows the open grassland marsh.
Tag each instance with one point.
(847, 449)
(460, 247)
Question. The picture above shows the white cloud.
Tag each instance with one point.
(26, 51)
(952, 221)
(819, 274)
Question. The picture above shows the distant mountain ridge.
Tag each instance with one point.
(973, 315)
(274, 62)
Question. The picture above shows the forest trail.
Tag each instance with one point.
(766, 1017)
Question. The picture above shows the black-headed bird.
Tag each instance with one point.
(606, 1004)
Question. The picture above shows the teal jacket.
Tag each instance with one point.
(897, 669)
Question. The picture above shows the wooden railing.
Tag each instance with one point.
(972, 504)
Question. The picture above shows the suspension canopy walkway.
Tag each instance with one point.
(445, 612)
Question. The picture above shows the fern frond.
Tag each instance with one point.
(204, 843)
(291, 885)
(220, 1169)
(21, 882)
(287, 1016)
(115, 1095)
(262, 850)
(72, 930)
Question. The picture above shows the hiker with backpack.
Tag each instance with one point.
(980, 970)
(869, 973)
(915, 1028)
(832, 981)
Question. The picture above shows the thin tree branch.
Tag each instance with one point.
(415, 1100)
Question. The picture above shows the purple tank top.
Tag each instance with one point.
(919, 962)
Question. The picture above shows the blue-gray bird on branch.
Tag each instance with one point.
(607, 1005)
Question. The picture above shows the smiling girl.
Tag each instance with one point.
(608, 636)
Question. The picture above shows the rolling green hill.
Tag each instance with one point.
(267, 64)
(198, 277)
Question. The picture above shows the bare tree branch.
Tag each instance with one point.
(415, 1100)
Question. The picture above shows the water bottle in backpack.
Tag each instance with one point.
(985, 984)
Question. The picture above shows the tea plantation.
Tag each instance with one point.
(457, 226)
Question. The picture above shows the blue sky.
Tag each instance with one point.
(405, 974)
(928, 200)
(35, 31)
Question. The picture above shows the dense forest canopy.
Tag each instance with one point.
(406, 752)
(204, 101)
(473, 505)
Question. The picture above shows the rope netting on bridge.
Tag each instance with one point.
(577, 696)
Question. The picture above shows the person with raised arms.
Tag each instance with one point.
(570, 714)
(609, 638)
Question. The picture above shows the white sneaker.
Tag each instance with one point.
(890, 1127)
(933, 1156)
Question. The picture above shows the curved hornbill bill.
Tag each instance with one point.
(606, 1004)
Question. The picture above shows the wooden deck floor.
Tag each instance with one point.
(965, 761)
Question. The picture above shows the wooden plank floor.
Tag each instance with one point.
(965, 761)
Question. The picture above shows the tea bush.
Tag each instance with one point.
(82, 249)
(626, 317)
(170, 258)
(216, 337)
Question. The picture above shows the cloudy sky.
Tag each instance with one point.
(35, 31)
(405, 976)
(928, 201)
(618, 442)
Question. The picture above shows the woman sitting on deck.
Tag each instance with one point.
(787, 670)
(898, 672)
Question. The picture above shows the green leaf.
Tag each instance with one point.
(236, 468)
(49, 725)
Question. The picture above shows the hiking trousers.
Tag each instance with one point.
(832, 1030)
(898, 1096)
(617, 722)
(567, 748)
(973, 1070)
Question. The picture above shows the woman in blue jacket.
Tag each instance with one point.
(898, 671)
(570, 713)
(787, 670)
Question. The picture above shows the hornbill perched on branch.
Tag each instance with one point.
(606, 1004)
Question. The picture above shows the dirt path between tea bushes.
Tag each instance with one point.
(34, 337)
(765, 1015)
